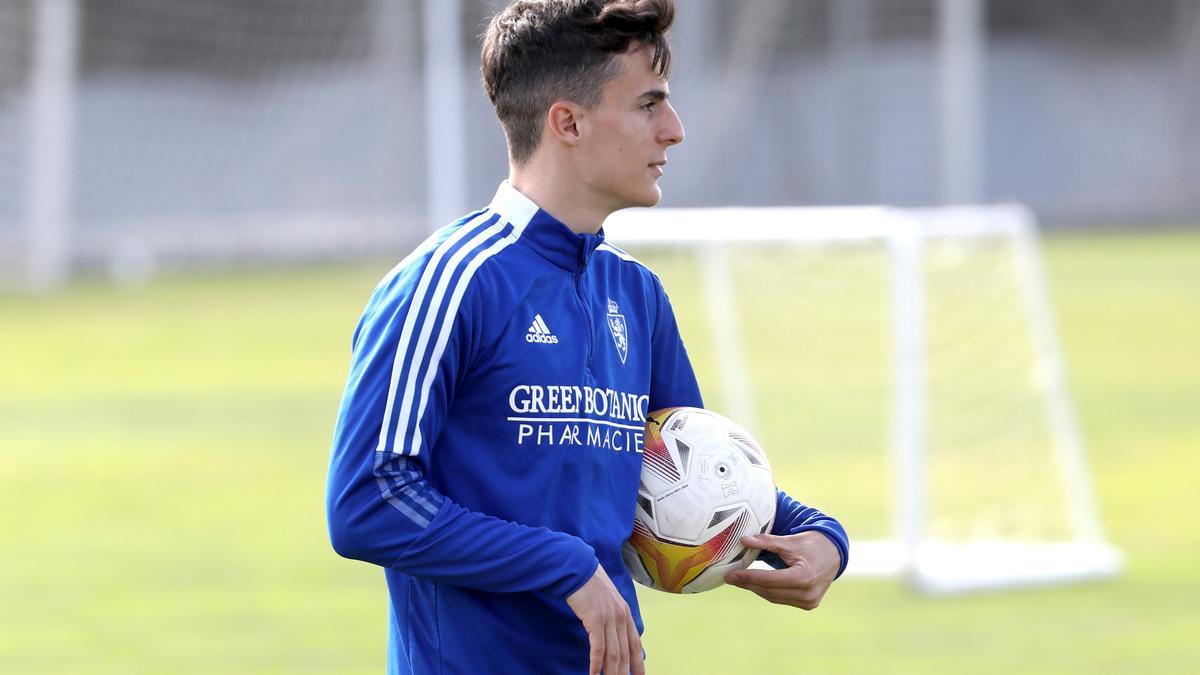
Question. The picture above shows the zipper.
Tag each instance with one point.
(587, 312)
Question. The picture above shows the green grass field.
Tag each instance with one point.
(162, 461)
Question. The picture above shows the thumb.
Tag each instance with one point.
(765, 542)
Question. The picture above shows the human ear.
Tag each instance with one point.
(562, 121)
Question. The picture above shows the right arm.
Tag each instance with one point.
(380, 506)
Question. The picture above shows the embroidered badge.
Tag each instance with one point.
(620, 331)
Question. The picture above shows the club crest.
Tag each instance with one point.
(619, 330)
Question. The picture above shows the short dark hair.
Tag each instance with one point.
(536, 52)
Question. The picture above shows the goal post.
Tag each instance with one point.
(940, 321)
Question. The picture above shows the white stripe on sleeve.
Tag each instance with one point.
(410, 320)
(439, 294)
(448, 321)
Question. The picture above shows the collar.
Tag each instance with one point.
(547, 235)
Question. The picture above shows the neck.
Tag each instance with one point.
(559, 192)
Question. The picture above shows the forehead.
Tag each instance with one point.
(636, 75)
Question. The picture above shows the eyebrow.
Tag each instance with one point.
(655, 94)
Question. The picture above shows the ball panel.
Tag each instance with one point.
(637, 569)
(714, 576)
(683, 513)
(672, 565)
(657, 462)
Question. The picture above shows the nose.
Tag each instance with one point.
(671, 132)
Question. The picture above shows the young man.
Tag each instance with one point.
(486, 452)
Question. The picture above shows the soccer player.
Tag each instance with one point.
(488, 446)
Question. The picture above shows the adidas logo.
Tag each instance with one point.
(540, 332)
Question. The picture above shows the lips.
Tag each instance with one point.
(658, 166)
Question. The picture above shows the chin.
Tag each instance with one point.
(650, 197)
(639, 196)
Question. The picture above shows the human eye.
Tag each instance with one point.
(649, 105)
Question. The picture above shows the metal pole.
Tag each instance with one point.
(961, 44)
(726, 326)
(445, 143)
(50, 146)
(1052, 383)
(908, 387)
(854, 160)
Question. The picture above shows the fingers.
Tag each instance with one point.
(805, 598)
(596, 655)
(616, 648)
(637, 665)
(795, 586)
(614, 645)
(812, 562)
(791, 577)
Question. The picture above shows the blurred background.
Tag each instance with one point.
(197, 196)
(151, 131)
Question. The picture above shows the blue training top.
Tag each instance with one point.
(488, 446)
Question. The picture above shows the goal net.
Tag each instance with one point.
(902, 369)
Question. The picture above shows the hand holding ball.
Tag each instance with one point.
(705, 483)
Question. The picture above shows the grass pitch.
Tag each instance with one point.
(163, 452)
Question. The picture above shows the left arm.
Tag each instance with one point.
(808, 550)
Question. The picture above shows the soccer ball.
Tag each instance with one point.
(705, 483)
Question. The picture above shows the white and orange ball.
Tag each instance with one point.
(705, 483)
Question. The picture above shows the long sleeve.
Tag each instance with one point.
(410, 350)
(672, 380)
(792, 517)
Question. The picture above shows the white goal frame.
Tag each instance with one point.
(930, 565)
